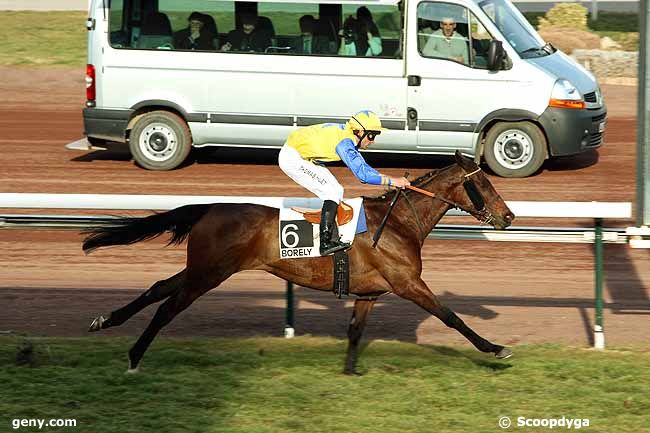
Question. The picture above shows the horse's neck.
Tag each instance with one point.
(430, 212)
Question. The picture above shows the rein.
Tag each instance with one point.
(480, 212)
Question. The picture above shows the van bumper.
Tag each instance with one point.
(572, 131)
(106, 124)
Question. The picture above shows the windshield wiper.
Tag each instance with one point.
(538, 50)
(532, 50)
(549, 48)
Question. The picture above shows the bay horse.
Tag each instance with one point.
(225, 238)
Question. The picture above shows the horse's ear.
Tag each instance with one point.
(459, 157)
(464, 162)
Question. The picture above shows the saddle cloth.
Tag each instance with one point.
(299, 233)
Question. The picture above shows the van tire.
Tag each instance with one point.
(160, 140)
(515, 149)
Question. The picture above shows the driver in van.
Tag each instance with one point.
(447, 43)
(307, 148)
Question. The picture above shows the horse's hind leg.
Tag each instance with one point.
(362, 307)
(159, 291)
(418, 292)
(178, 302)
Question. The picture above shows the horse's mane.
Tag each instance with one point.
(419, 182)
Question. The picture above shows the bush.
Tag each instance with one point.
(615, 22)
(567, 15)
(568, 40)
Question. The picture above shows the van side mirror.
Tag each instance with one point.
(496, 55)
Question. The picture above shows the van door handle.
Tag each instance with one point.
(414, 80)
(411, 118)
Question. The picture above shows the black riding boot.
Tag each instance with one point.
(328, 245)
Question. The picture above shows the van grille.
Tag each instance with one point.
(599, 118)
(591, 97)
(595, 139)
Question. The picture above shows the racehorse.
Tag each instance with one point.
(225, 238)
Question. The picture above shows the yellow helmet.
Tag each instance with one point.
(365, 120)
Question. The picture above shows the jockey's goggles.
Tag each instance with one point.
(371, 134)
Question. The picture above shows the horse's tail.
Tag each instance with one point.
(127, 231)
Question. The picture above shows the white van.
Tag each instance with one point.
(166, 75)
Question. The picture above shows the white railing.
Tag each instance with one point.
(597, 211)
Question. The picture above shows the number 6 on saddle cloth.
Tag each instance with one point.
(299, 235)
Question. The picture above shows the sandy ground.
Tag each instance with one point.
(511, 292)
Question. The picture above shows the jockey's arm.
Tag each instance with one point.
(355, 162)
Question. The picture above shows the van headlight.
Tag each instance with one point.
(565, 95)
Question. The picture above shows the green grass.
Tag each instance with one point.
(277, 385)
(615, 22)
(43, 39)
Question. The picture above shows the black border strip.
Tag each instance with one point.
(447, 126)
(307, 121)
(251, 120)
(105, 114)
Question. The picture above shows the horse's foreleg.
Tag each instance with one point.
(159, 291)
(418, 292)
(362, 307)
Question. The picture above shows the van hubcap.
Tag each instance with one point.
(513, 149)
(158, 142)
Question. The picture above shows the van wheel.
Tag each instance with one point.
(515, 149)
(160, 140)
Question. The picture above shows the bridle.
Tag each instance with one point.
(480, 212)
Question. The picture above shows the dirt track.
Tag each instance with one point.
(511, 292)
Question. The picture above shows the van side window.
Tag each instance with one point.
(269, 27)
(196, 23)
(188, 25)
(290, 26)
(370, 31)
(443, 32)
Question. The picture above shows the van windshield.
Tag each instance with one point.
(516, 29)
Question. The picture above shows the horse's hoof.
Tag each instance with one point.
(97, 324)
(351, 372)
(132, 370)
(504, 353)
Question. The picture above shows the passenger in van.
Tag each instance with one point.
(447, 43)
(306, 149)
(311, 41)
(196, 36)
(305, 43)
(357, 37)
(247, 38)
(364, 16)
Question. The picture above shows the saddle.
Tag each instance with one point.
(343, 214)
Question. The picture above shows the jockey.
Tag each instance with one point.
(307, 148)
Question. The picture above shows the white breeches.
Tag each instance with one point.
(315, 178)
